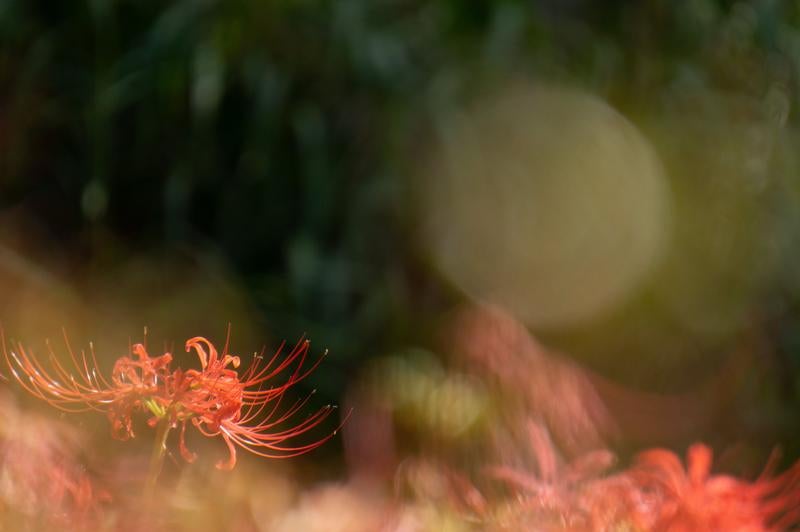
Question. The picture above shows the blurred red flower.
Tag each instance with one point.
(692, 498)
(43, 483)
(577, 495)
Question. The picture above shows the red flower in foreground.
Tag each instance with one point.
(244, 409)
(694, 499)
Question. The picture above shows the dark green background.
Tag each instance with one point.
(280, 135)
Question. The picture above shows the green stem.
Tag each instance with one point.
(157, 456)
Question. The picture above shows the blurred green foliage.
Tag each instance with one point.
(280, 135)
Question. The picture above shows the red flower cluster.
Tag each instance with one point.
(657, 493)
(216, 399)
(564, 406)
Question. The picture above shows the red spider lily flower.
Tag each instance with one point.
(136, 384)
(692, 498)
(220, 402)
(244, 409)
(139, 384)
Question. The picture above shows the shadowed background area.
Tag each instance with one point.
(619, 181)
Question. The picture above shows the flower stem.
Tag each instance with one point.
(157, 456)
